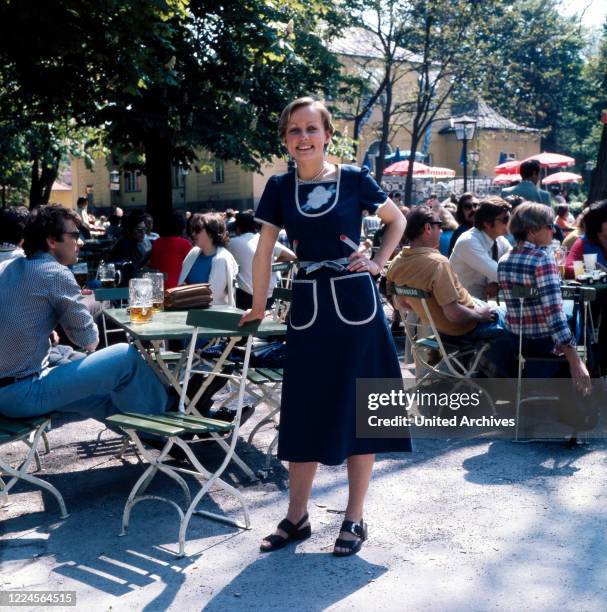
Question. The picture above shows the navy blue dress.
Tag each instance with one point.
(337, 331)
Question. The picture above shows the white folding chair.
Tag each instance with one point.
(455, 361)
(172, 427)
(31, 432)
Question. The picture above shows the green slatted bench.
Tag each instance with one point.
(29, 431)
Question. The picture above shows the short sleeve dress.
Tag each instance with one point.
(337, 331)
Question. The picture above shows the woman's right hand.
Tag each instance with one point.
(251, 315)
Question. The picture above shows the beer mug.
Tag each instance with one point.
(140, 300)
(108, 276)
(560, 256)
(81, 273)
(157, 279)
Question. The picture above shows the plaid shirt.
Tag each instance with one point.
(543, 316)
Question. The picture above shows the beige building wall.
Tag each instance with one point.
(447, 149)
(63, 197)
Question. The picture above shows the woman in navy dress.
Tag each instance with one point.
(337, 329)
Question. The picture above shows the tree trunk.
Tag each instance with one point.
(158, 160)
(598, 179)
(380, 160)
(47, 179)
(42, 181)
(35, 185)
(409, 180)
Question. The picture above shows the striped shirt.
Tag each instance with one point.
(542, 316)
(37, 294)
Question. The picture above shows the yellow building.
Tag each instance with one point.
(496, 139)
(226, 186)
(62, 194)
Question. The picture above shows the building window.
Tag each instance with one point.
(507, 156)
(132, 181)
(178, 177)
(218, 175)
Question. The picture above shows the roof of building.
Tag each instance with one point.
(363, 43)
(487, 118)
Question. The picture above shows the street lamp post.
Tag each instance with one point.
(464, 130)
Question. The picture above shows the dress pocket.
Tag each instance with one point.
(304, 304)
(354, 298)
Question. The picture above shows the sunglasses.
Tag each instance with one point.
(470, 206)
(503, 219)
(436, 223)
(75, 235)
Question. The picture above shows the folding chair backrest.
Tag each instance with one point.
(422, 296)
(223, 319)
(282, 266)
(112, 294)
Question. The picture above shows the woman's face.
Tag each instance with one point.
(306, 136)
(203, 241)
(602, 235)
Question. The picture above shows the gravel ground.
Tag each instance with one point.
(457, 525)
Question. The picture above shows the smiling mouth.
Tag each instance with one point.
(305, 148)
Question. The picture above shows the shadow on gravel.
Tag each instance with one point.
(315, 581)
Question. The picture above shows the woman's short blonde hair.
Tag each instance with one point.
(296, 104)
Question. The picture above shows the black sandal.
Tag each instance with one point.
(359, 530)
(294, 533)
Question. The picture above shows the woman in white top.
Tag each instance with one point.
(209, 261)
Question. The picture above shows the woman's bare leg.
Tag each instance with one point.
(360, 468)
(301, 478)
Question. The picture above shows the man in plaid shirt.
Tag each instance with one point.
(544, 324)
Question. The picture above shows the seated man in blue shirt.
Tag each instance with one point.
(38, 293)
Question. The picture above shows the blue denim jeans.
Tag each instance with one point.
(499, 353)
(114, 379)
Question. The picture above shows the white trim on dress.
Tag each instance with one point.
(315, 300)
(338, 311)
(337, 181)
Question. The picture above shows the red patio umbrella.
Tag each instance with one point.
(562, 177)
(402, 167)
(504, 179)
(509, 167)
(552, 160)
(437, 172)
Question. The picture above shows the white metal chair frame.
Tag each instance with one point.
(31, 437)
(173, 426)
(452, 357)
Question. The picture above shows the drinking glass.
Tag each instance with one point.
(560, 255)
(157, 279)
(590, 262)
(108, 275)
(140, 300)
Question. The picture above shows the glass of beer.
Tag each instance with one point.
(140, 300)
(157, 279)
(81, 273)
(108, 276)
(560, 255)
